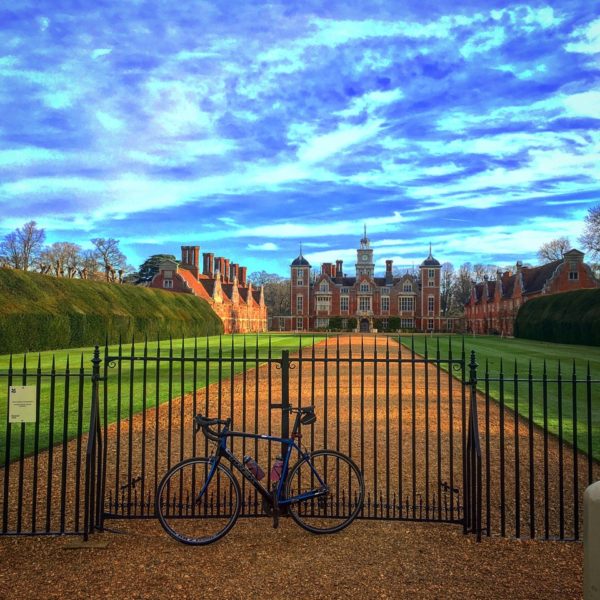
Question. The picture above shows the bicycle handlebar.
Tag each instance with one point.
(205, 424)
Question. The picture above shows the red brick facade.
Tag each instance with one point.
(222, 284)
(494, 305)
(415, 301)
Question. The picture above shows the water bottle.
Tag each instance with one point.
(277, 469)
(254, 467)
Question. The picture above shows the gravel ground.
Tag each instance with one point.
(367, 560)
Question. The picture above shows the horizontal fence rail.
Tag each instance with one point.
(505, 451)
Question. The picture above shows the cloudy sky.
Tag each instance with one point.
(249, 127)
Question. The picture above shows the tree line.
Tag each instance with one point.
(24, 249)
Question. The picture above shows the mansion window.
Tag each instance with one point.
(300, 277)
(407, 303)
(573, 274)
(322, 323)
(430, 324)
(345, 290)
(407, 324)
(364, 287)
(407, 287)
(323, 303)
(300, 323)
(385, 303)
(431, 304)
(168, 284)
(364, 303)
(431, 273)
(324, 287)
(344, 303)
(299, 304)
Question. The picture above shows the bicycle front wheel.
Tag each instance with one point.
(338, 481)
(194, 507)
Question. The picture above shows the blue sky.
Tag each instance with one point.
(249, 127)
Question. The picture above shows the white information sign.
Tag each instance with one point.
(21, 404)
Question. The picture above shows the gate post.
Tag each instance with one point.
(93, 471)
(285, 397)
(472, 494)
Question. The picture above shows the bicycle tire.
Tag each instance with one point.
(190, 515)
(344, 500)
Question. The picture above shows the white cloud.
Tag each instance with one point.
(324, 146)
(587, 39)
(483, 42)
(300, 231)
(267, 246)
(585, 104)
(99, 52)
(370, 102)
(108, 121)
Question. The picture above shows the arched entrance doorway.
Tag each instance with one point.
(365, 326)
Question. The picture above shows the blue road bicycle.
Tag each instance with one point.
(199, 500)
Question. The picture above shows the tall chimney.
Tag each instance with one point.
(243, 271)
(235, 271)
(332, 271)
(184, 255)
(217, 263)
(226, 269)
(196, 255)
(389, 277)
(338, 268)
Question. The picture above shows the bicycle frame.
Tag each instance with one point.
(224, 451)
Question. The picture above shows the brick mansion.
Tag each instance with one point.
(221, 283)
(413, 300)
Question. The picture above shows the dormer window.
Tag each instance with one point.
(168, 284)
(365, 287)
(324, 287)
(407, 287)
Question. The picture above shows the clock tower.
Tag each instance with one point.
(364, 258)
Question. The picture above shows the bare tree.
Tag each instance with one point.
(277, 291)
(20, 248)
(461, 290)
(480, 272)
(447, 279)
(61, 257)
(554, 249)
(591, 232)
(110, 256)
(89, 264)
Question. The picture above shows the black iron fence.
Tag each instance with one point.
(435, 439)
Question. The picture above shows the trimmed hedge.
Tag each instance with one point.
(567, 318)
(38, 312)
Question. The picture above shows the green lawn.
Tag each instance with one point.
(510, 355)
(62, 404)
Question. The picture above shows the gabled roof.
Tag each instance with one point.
(535, 278)
(198, 288)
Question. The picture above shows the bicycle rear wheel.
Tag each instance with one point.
(193, 509)
(344, 486)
